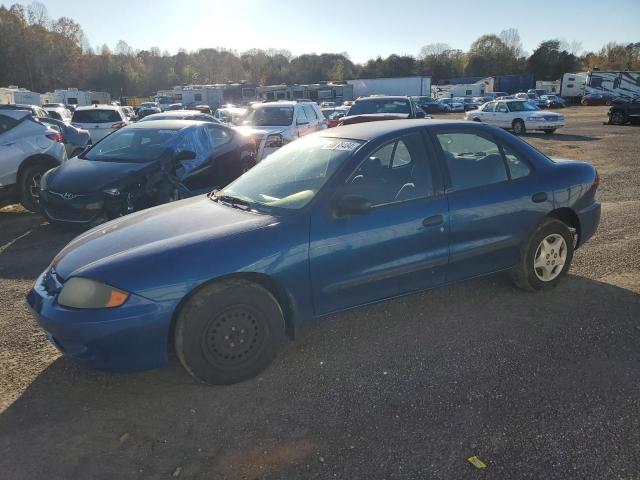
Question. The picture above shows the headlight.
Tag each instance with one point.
(85, 293)
(273, 141)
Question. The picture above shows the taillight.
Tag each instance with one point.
(116, 126)
(56, 137)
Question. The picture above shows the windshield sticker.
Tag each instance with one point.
(343, 145)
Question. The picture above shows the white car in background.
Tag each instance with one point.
(99, 120)
(516, 115)
(27, 150)
(452, 105)
(274, 124)
(59, 113)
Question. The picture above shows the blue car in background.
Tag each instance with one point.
(341, 218)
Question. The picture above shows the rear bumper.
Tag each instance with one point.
(589, 221)
(130, 338)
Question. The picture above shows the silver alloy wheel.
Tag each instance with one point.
(550, 257)
(34, 187)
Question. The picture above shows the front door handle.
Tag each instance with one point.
(539, 197)
(433, 221)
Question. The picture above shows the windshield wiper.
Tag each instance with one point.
(236, 202)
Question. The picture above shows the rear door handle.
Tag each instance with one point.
(433, 221)
(539, 197)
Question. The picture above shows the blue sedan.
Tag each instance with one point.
(338, 219)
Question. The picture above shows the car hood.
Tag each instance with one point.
(251, 131)
(90, 176)
(155, 231)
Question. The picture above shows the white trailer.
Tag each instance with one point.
(549, 86)
(572, 85)
(13, 94)
(211, 95)
(73, 96)
(619, 84)
(458, 90)
(415, 86)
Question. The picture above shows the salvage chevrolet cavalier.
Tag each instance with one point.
(344, 217)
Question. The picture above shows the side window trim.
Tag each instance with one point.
(501, 146)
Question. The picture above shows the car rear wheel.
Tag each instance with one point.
(30, 180)
(546, 257)
(476, 119)
(618, 118)
(229, 331)
(518, 127)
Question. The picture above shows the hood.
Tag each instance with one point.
(90, 176)
(252, 131)
(169, 226)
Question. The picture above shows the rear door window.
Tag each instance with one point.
(7, 123)
(472, 160)
(96, 115)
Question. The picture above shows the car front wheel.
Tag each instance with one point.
(618, 118)
(229, 331)
(30, 186)
(546, 257)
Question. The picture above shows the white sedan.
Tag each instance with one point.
(517, 115)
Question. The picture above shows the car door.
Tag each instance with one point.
(493, 204)
(311, 116)
(502, 115)
(11, 150)
(399, 245)
(302, 122)
(487, 113)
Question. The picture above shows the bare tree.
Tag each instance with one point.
(511, 38)
(434, 49)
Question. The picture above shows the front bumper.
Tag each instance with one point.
(544, 125)
(589, 221)
(129, 338)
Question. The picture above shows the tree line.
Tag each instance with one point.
(40, 53)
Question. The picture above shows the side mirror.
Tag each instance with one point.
(352, 205)
(184, 155)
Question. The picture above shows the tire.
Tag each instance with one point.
(560, 243)
(476, 119)
(518, 127)
(549, 131)
(618, 118)
(229, 331)
(30, 186)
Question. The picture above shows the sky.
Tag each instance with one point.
(363, 29)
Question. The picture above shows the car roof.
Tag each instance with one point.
(370, 130)
(98, 106)
(167, 124)
(383, 97)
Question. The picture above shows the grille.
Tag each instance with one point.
(70, 214)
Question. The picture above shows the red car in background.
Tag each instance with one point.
(597, 99)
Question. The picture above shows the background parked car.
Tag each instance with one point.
(382, 107)
(36, 111)
(336, 117)
(274, 124)
(469, 103)
(600, 98)
(130, 113)
(622, 112)
(230, 115)
(174, 106)
(517, 115)
(53, 105)
(142, 165)
(180, 115)
(553, 101)
(99, 120)
(28, 148)
(59, 113)
(429, 104)
(148, 108)
(202, 109)
(451, 105)
(75, 140)
(71, 107)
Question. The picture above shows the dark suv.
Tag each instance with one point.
(370, 109)
(622, 112)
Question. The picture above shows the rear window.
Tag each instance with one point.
(380, 106)
(7, 123)
(96, 116)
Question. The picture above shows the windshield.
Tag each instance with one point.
(293, 175)
(134, 145)
(521, 107)
(380, 105)
(271, 116)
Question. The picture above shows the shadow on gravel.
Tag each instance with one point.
(531, 383)
(562, 137)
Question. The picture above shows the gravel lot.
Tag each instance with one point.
(539, 386)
